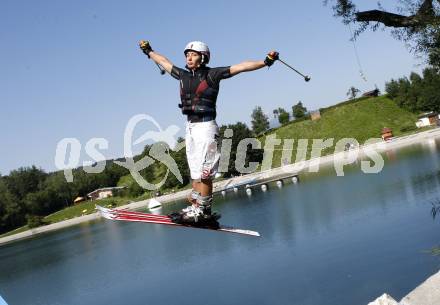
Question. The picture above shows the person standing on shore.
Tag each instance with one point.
(199, 87)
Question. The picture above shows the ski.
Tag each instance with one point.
(132, 216)
(130, 213)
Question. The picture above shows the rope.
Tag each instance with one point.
(361, 72)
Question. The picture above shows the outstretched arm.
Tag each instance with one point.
(156, 57)
(247, 66)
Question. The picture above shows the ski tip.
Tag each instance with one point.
(256, 234)
(100, 208)
(240, 231)
(104, 212)
(103, 209)
(250, 233)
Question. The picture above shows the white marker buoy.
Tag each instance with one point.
(264, 187)
(295, 179)
(153, 204)
(279, 183)
(157, 211)
(249, 191)
(235, 189)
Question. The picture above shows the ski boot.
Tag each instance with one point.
(198, 215)
(192, 198)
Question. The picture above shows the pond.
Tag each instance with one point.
(326, 240)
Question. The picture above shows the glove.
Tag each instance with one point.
(145, 47)
(271, 57)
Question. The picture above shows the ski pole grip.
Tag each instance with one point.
(145, 47)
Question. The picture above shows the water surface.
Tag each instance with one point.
(327, 240)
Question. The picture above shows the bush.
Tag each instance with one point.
(408, 128)
(34, 221)
(111, 202)
(304, 118)
(283, 118)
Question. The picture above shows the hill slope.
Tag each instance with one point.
(361, 119)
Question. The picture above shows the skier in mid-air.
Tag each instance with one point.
(199, 87)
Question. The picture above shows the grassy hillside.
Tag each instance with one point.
(361, 119)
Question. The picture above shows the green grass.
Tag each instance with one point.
(84, 208)
(361, 119)
(16, 231)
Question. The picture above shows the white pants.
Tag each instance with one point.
(202, 151)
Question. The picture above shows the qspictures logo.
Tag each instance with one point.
(346, 151)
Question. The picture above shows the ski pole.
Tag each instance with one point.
(162, 70)
(146, 48)
(306, 78)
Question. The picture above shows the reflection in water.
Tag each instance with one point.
(157, 211)
(391, 154)
(327, 240)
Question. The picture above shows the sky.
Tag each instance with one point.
(73, 69)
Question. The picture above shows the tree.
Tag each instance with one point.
(84, 183)
(416, 22)
(416, 93)
(182, 164)
(352, 92)
(298, 110)
(112, 173)
(55, 194)
(38, 203)
(260, 122)
(25, 180)
(11, 212)
(430, 90)
(240, 132)
(283, 116)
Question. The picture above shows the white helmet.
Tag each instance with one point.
(201, 48)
